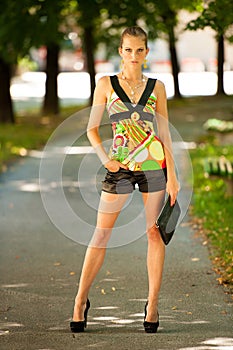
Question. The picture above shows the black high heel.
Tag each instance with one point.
(150, 327)
(78, 326)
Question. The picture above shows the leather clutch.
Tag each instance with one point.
(167, 220)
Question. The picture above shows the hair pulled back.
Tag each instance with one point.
(136, 32)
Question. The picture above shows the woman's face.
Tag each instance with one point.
(133, 51)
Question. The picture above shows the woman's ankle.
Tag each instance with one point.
(79, 308)
(152, 310)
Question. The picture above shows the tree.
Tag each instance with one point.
(218, 15)
(159, 18)
(88, 14)
(166, 19)
(20, 29)
(50, 27)
(15, 21)
(6, 108)
(162, 18)
(101, 21)
(116, 16)
(25, 24)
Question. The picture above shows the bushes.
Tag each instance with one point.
(214, 209)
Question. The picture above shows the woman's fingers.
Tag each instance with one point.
(173, 188)
(114, 166)
(173, 199)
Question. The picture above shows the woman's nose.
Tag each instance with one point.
(134, 54)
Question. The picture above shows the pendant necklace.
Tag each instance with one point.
(133, 89)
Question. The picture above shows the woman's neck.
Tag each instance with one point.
(134, 75)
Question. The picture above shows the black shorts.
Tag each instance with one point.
(123, 181)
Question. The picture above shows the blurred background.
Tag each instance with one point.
(51, 53)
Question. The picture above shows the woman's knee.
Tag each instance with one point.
(153, 234)
(101, 237)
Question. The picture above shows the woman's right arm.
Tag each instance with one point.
(97, 111)
(99, 102)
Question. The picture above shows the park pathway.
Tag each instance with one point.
(40, 268)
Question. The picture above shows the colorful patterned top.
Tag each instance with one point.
(134, 141)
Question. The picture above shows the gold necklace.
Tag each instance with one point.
(133, 89)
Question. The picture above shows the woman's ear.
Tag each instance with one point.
(120, 51)
(147, 51)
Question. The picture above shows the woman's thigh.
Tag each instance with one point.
(153, 203)
(109, 208)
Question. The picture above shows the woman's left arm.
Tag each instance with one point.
(172, 187)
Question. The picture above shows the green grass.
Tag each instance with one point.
(30, 131)
(213, 209)
(189, 114)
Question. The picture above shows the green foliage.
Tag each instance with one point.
(218, 15)
(223, 126)
(109, 18)
(28, 23)
(52, 20)
(15, 21)
(161, 16)
(214, 208)
(27, 64)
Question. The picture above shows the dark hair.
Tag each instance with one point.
(134, 31)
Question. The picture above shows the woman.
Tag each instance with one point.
(137, 156)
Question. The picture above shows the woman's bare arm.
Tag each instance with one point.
(97, 111)
(102, 91)
(165, 137)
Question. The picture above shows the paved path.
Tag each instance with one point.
(40, 268)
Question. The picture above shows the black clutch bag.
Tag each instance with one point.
(167, 220)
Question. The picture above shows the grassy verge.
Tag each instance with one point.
(212, 210)
(29, 132)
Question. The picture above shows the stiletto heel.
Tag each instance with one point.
(150, 327)
(78, 326)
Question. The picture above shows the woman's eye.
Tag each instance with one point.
(128, 50)
(140, 50)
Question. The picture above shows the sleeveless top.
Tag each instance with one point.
(135, 143)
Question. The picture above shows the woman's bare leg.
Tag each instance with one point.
(109, 209)
(155, 253)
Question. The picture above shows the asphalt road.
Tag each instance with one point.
(40, 268)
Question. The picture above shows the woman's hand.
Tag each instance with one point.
(172, 189)
(114, 166)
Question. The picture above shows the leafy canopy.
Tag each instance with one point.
(218, 15)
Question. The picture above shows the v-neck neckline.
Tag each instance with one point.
(126, 97)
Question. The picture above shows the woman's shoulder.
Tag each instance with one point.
(104, 81)
(160, 84)
(159, 87)
(103, 86)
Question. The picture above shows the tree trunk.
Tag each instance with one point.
(220, 88)
(174, 61)
(51, 103)
(89, 48)
(6, 108)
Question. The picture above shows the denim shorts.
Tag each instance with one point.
(123, 181)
